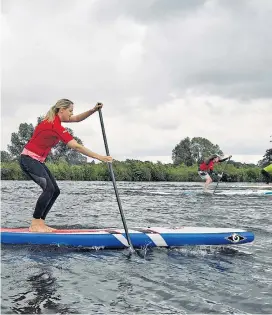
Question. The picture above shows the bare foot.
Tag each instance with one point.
(50, 228)
(38, 225)
(40, 229)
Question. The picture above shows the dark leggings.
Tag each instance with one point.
(41, 175)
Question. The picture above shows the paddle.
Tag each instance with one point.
(114, 182)
(221, 174)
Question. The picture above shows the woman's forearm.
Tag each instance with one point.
(80, 117)
(80, 148)
(73, 144)
(84, 115)
(103, 158)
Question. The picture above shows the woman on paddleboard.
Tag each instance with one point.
(205, 169)
(45, 136)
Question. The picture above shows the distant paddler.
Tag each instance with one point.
(205, 169)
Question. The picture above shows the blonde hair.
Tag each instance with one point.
(51, 114)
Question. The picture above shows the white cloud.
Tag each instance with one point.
(163, 70)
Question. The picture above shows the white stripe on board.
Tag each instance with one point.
(157, 239)
(121, 239)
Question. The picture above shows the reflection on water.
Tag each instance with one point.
(41, 294)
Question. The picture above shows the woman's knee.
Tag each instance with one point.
(52, 190)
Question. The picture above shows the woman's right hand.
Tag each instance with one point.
(106, 158)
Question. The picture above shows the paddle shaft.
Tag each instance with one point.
(113, 181)
(221, 174)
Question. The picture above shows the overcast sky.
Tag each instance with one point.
(164, 69)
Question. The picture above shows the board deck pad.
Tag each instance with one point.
(140, 237)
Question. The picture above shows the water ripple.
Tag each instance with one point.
(188, 280)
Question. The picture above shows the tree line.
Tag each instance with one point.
(134, 170)
(68, 164)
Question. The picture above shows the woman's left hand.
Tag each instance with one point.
(98, 106)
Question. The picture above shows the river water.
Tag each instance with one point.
(187, 280)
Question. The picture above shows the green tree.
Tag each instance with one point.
(202, 148)
(182, 153)
(20, 139)
(267, 158)
(133, 170)
(193, 151)
(5, 156)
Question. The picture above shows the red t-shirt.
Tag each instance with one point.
(206, 167)
(46, 135)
